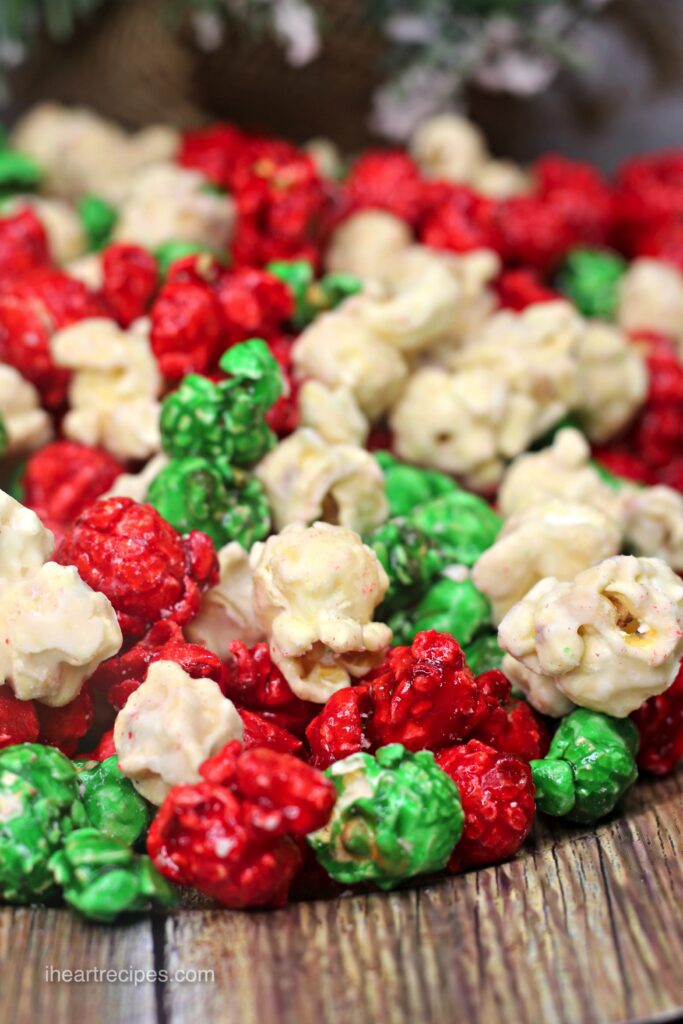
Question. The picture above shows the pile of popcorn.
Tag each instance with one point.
(342, 518)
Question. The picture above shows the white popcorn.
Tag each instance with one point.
(227, 609)
(502, 179)
(339, 350)
(564, 471)
(449, 147)
(114, 391)
(88, 269)
(168, 203)
(169, 726)
(136, 485)
(28, 425)
(66, 236)
(306, 479)
(25, 544)
(315, 591)
(612, 381)
(81, 152)
(557, 538)
(326, 157)
(606, 641)
(54, 632)
(365, 242)
(653, 523)
(333, 413)
(651, 298)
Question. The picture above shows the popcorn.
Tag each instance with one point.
(449, 147)
(66, 237)
(25, 544)
(227, 609)
(653, 523)
(606, 641)
(365, 242)
(306, 479)
(315, 591)
(169, 727)
(613, 381)
(27, 424)
(166, 203)
(333, 413)
(556, 538)
(136, 485)
(326, 157)
(114, 391)
(502, 179)
(651, 298)
(339, 350)
(54, 632)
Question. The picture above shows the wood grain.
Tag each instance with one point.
(584, 927)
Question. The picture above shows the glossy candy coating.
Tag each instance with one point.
(449, 606)
(461, 526)
(408, 487)
(408, 559)
(18, 172)
(397, 815)
(112, 803)
(590, 279)
(483, 653)
(312, 297)
(660, 724)
(98, 218)
(167, 253)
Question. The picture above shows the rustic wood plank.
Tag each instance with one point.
(584, 927)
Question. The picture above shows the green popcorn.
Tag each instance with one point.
(449, 606)
(112, 803)
(167, 253)
(98, 218)
(18, 173)
(194, 420)
(4, 437)
(459, 524)
(409, 560)
(101, 877)
(591, 278)
(600, 753)
(254, 372)
(312, 297)
(226, 503)
(483, 653)
(397, 815)
(39, 806)
(408, 487)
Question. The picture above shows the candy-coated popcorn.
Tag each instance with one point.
(27, 425)
(591, 279)
(651, 298)
(310, 296)
(326, 156)
(114, 389)
(98, 218)
(136, 485)
(607, 640)
(364, 242)
(101, 877)
(660, 724)
(18, 719)
(397, 816)
(340, 350)
(169, 726)
(451, 605)
(652, 520)
(555, 538)
(129, 281)
(66, 237)
(590, 765)
(227, 609)
(332, 413)
(449, 147)
(254, 682)
(410, 561)
(460, 525)
(315, 591)
(407, 487)
(613, 381)
(306, 479)
(112, 804)
(510, 725)
(25, 544)
(39, 805)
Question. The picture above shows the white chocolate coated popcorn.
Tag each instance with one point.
(227, 610)
(136, 485)
(167, 203)
(25, 544)
(28, 425)
(651, 298)
(612, 381)
(114, 391)
(556, 539)
(306, 479)
(66, 236)
(169, 726)
(449, 147)
(653, 523)
(339, 350)
(365, 242)
(325, 155)
(54, 632)
(315, 591)
(607, 641)
(502, 179)
(333, 413)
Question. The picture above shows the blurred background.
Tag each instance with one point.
(597, 79)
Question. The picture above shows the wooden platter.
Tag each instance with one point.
(583, 927)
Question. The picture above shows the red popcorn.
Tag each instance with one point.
(260, 732)
(130, 281)
(650, 193)
(510, 726)
(520, 288)
(188, 329)
(64, 727)
(146, 569)
(215, 151)
(254, 303)
(18, 719)
(625, 464)
(343, 726)
(457, 218)
(23, 243)
(386, 180)
(660, 724)
(497, 795)
(233, 836)
(104, 749)
(253, 681)
(63, 478)
(533, 232)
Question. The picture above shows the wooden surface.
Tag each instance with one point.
(584, 926)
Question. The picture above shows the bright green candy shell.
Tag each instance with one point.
(407, 487)
(194, 420)
(312, 297)
(39, 806)
(252, 366)
(227, 504)
(600, 751)
(18, 172)
(98, 218)
(460, 525)
(167, 253)
(484, 654)
(397, 815)
(112, 803)
(554, 784)
(449, 606)
(409, 561)
(590, 278)
(101, 877)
